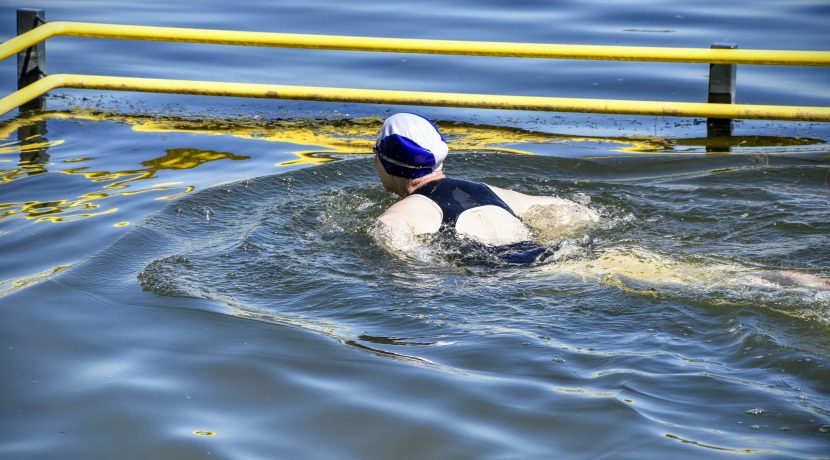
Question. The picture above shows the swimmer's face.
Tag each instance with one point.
(385, 177)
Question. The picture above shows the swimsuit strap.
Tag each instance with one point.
(455, 196)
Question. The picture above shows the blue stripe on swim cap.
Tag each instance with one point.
(402, 157)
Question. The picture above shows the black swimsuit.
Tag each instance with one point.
(454, 196)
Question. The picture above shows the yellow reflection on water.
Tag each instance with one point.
(721, 448)
(187, 159)
(75, 217)
(10, 285)
(13, 147)
(66, 210)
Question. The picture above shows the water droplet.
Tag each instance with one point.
(784, 428)
(756, 411)
(756, 427)
(824, 429)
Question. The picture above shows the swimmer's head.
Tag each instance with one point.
(410, 146)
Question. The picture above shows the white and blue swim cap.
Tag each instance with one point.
(410, 146)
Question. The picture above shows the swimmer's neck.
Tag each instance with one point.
(414, 184)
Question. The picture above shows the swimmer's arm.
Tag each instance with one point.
(393, 233)
(521, 203)
(400, 225)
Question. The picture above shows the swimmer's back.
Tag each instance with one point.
(489, 215)
(472, 210)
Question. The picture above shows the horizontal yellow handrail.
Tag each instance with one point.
(407, 45)
(485, 101)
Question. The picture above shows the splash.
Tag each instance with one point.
(561, 219)
(646, 272)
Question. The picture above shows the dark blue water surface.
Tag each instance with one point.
(195, 277)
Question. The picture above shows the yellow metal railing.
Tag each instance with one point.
(487, 101)
(408, 45)
(524, 50)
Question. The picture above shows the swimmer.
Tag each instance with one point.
(409, 156)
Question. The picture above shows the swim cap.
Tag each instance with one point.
(410, 146)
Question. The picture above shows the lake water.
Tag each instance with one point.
(193, 277)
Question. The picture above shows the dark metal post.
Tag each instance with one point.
(31, 62)
(721, 91)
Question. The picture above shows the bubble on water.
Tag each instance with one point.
(824, 428)
(204, 433)
(756, 411)
(756, 427)
(784, 428)
(581, 198)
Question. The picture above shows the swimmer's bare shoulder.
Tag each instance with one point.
(400, 225)
(415, 214)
